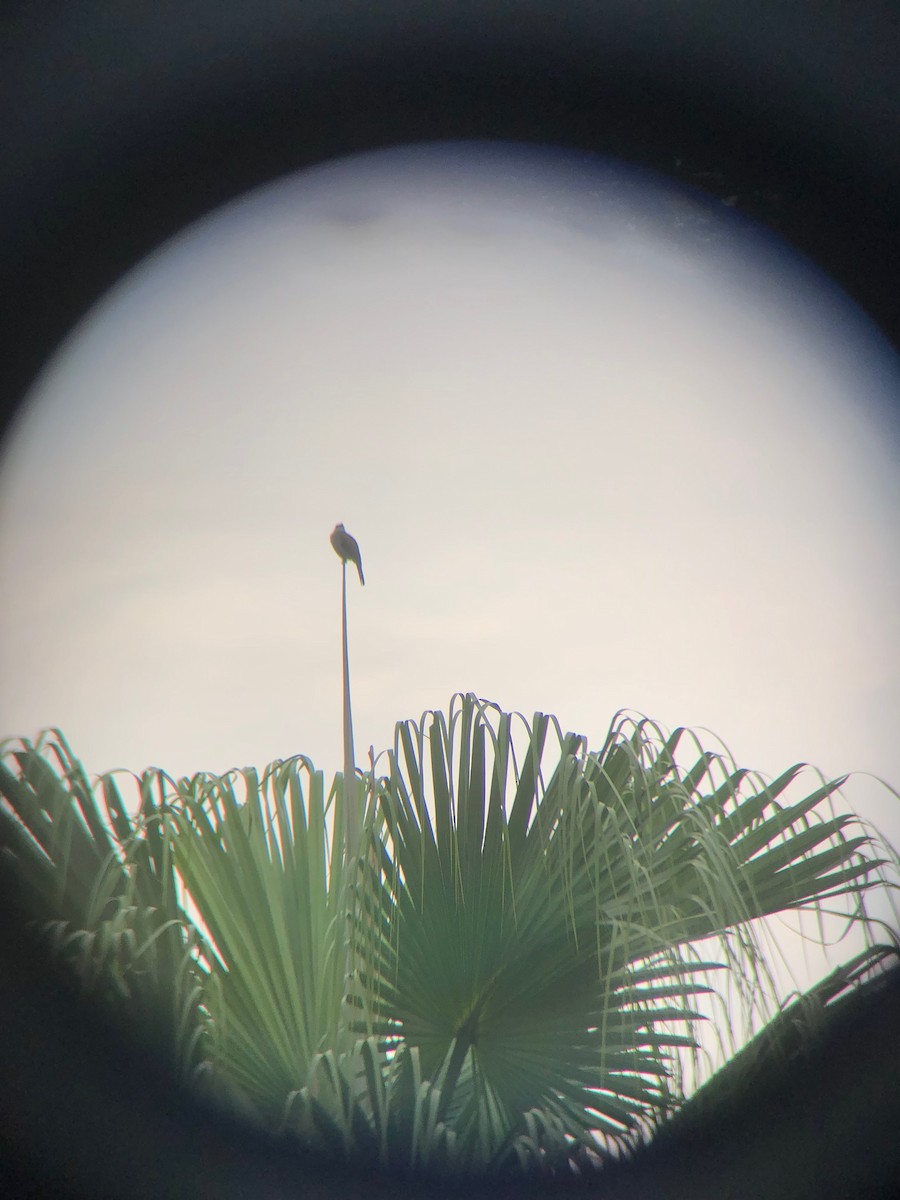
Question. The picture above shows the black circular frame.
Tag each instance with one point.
(122, 123)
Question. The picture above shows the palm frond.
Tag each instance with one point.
(99, 887)
(262, 862)
(358, 1102)
(536, 908)
(783, 1045)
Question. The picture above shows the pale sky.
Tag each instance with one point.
(603, 445)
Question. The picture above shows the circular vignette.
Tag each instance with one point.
(123, 125)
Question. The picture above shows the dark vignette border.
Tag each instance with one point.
(121, 123)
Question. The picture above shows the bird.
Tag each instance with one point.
(347, 549)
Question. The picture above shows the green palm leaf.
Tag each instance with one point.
(263, 867)
(100, 887)
(533, 909)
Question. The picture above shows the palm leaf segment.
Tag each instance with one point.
(531, 937)
(98, 882)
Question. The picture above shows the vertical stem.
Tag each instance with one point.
(353, 816)
(353, 802)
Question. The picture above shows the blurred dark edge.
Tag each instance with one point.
(121, 123)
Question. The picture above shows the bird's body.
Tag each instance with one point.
(347, 549)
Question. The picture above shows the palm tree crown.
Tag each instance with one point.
(531, 925)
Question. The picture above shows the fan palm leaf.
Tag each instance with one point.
(533, 910)
(262, 863)
(100, 886)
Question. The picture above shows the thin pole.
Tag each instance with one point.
(353, 817)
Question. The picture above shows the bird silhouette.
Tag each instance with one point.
(347, 549)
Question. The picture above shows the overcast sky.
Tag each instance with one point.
(601, 442)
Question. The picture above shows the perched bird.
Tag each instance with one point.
(347, 548)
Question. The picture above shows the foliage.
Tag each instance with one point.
(507, 972)
(263, 869)
(786, 1043)
(101, 888)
